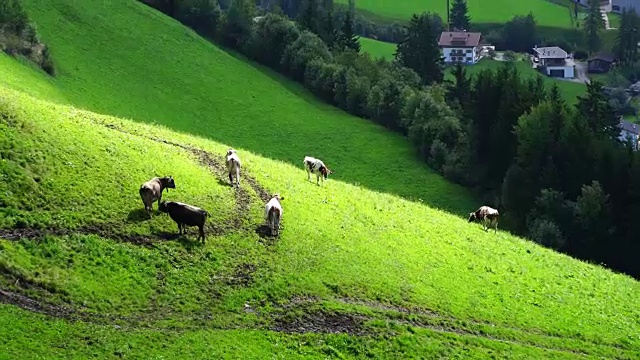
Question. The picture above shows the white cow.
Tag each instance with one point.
(273, 214)
(489, 216)
(316, 166)
(233, 166)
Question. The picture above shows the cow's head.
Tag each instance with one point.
(325, 171)
(168, 183)
(163, 207)
(472, 216)
(277, 196)
(230, 151)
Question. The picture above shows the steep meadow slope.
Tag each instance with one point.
(161, 72)
(377, 269)
(359, 271)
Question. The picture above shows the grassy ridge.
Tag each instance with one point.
(514, 290)
(481, 11)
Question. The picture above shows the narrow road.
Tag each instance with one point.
(604, 9)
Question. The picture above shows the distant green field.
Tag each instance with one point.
(481, 11)
(378, 48)
(358, 271)
(570, 90)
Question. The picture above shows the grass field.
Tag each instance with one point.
(481, 11)
(357, 272)
(570, 90)
(377, 48)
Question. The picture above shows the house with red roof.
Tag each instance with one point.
(460, 46)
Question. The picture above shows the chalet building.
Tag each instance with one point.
(554, 62)
(460, 47)
(600, 63)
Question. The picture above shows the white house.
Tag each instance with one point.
(554, 62)
(460, 46)
(629, 131)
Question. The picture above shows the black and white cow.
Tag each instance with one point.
(317, 167)
(489, 217)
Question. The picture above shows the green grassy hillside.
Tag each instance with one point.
(349, 261)
(161, 72)
(377, 48)
(358, 271)
(481, 11)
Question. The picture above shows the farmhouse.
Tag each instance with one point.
(554, 62)
(600, 63)
(629, 131)
(460, 46)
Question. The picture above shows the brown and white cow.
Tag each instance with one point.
(316, 166)
(273, 214)
(152, 191)
(489, 217)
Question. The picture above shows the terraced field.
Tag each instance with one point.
(378, 263)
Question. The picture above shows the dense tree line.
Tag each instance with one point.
(628, 38)
(557, 172)
(18, 36)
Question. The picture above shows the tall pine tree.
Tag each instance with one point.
(628, 38)
(460, 18)
(593, 24)
(595, 108)
(419, 50)
(347, 39)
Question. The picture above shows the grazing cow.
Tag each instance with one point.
(273, 213)
(487, 215)
(185, 215)
(233, 166)
(316, 166)
(152, 191)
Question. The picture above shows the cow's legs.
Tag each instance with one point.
(201, 228)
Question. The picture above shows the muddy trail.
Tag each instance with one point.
(107, 231)
(217, 167)
(239, 222)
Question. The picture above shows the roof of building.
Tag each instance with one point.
(603, 56)
(629, 127)
(460, 39)
(551, 52)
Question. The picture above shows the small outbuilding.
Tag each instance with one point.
(600, 63)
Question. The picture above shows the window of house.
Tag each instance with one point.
(468, 59)
(468, 51)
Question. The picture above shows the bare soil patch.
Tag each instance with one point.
(321, 322)
(103, 230)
